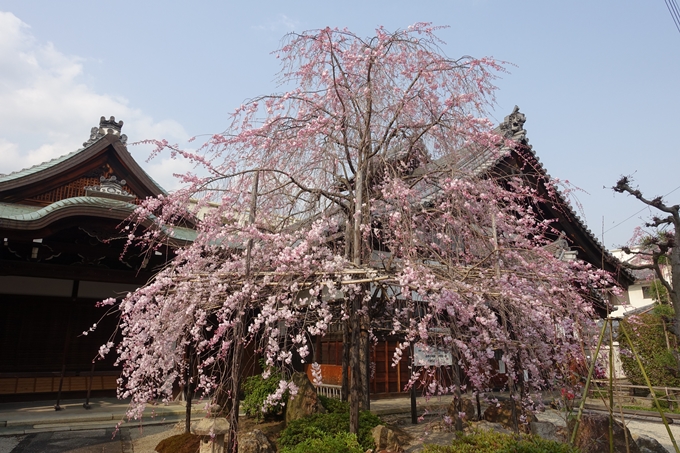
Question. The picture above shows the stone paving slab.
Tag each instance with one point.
(93, 441)
(37, 417)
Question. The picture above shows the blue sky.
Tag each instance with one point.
(597, 80)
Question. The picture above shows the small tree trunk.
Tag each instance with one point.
(188, 394)
(458, 397)
(513, 403)
(676, 322)
(237, 357)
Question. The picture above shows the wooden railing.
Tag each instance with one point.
(329, 391)
(621, 391)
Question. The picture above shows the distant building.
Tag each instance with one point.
(640, 294)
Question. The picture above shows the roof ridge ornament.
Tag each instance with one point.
(513, 125)
(109, 188)
(107, 127)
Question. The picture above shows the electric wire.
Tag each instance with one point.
(636, 213)
(674, 5)
(675, 12)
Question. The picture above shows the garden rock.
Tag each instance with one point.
(484, 425)
(390, 438)
(255, 442)
(593, 435)
(467, 406)
(649, 445)
(306, 402)
(502, 413)
(547, 431)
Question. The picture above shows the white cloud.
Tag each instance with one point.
(280, 23)
(46, 110)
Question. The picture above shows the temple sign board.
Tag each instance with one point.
(424, 355)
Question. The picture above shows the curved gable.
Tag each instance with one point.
(103, 156)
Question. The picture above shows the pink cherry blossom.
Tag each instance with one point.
(342, 200)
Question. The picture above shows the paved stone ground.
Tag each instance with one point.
(128, 440)
(144, 439)
(433, 430)
(8, 443)
(655, 430)
(99, 440)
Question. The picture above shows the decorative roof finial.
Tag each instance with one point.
(107, 127)
(110, 126)
(513, 125)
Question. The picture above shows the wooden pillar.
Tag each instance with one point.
(387, 367)
(399, 376)
(337, 352)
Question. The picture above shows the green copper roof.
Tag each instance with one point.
(25, 213)
(40, 167)
(11, 213)
(8, 210)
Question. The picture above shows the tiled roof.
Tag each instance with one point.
(479, 162)
(43, 166)
(23, 213)
(12, 209)
(107, 129)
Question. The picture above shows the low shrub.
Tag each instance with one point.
(317, 425)
(327, 443)
(495, 442)
(334, 405)
(646, 331)
(256, 390)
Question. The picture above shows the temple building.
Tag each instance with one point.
(64, 249)
(61, 252)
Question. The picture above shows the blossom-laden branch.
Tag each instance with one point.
(361, 197)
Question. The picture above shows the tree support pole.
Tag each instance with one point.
(585, 390)
(345, 359)
(414, 413)
(355, 380)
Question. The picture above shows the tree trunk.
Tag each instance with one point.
(188, 394)
(355, 396)
(674, 293)
(237, 357)
(458, 396)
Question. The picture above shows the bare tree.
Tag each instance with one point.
(658, 248)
